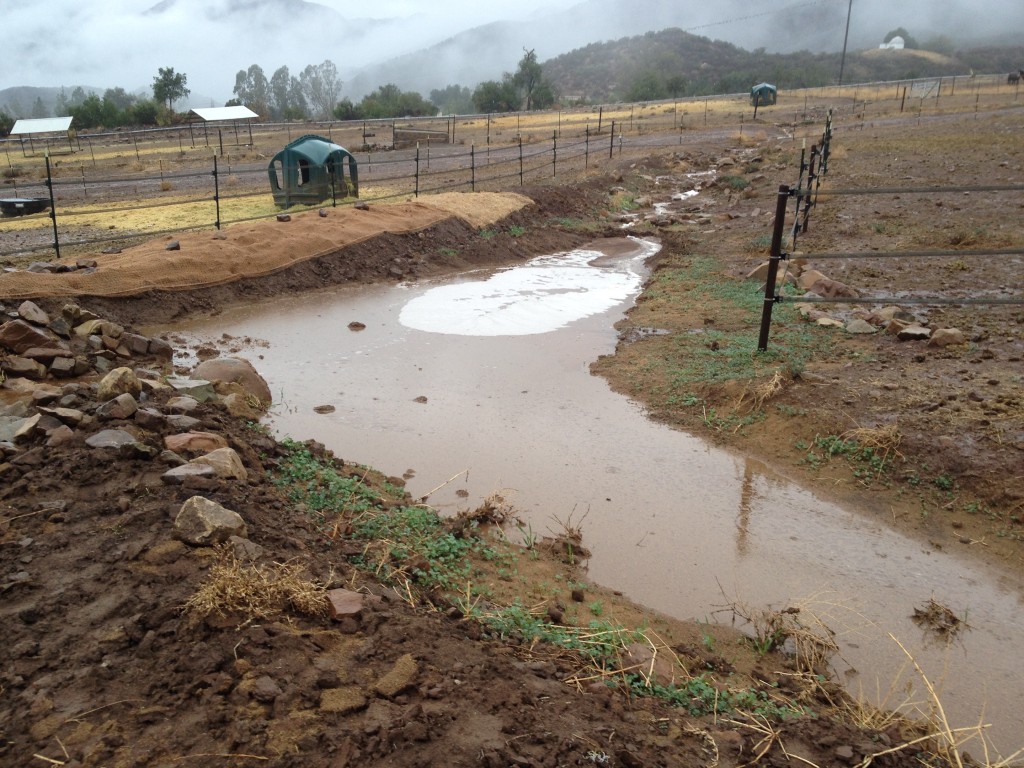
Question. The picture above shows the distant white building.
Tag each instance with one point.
(897, 42)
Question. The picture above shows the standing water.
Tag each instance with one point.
(481, 384)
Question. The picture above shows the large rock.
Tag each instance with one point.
(202, 522)
(33, 313)
(943, 337)
(195, 442)
(225, 462)
(19, 336)
(123, 406)
(401, 676)
(119, 381)
(235, 370)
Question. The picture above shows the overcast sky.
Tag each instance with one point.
(108, 43)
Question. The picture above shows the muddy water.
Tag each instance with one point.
(481, 384)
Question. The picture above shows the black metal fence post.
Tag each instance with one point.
(417, 169)
(554, 154)
(53, 206)
(586, 149)
(216, 190)
(520, 160)
(472, 166)
(611, 142)
(773, 267)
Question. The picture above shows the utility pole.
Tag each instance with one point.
(846, 36)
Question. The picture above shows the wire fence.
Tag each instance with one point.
(205, 175)
(805, 194)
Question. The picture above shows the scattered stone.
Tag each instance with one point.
(118, 382)
(225, 463)
(355, 325)
(244, 549)
(121, 407)
(362, 206)
(343, 700)
(31, 312)
(21, 367)
(943, 337)
(913, 333)
(323, 213)
(182, 422)
(202, 522)
(195, 442)
(284, 217)
(184, 404)
(199, 390)
(860, 326)
(323, 409)
(237, 370)
(401, 676)
(264, 689)
(829, 322)
(174, 245)
(241, 406)
(344, 603)
(18, 336)
(110, 438)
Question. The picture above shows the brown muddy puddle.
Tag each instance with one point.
(480, 384)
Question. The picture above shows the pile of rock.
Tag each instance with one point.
(72, 344)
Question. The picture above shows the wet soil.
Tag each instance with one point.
(102, 667)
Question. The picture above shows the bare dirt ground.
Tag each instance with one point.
(103, 665)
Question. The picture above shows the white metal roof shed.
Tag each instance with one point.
(233, 115)
(42, 127)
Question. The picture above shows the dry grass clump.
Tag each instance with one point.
(885, 440)
(255, 591)
(759, 391)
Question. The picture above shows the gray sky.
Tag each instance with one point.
(108, 43)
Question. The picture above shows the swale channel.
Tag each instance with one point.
(485, 376)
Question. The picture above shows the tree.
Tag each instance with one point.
(647, 86)
(494, 96)
(169, 86)
(391, 101)
(453, 100)
(95, 112)
(120, 98)
(253, 90)
(39, 109)
(321, 86)
(537, 93)
(6, 123)
(287, 101)
(144, 112)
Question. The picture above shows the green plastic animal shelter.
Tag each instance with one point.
(311, 169)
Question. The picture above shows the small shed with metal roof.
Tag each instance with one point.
(233, 116)
(44, 130)
(763, 94)
(311, 169)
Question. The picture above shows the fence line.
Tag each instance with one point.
(806, 193)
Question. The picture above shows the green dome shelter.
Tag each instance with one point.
(311, 169)
(763, 94)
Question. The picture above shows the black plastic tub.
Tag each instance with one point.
(23, 206)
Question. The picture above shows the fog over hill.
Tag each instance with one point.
(417, 46)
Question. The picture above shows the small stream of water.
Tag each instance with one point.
(484, 378)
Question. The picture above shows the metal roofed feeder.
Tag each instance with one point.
(311, 169)
(46, 129)
(231, 115)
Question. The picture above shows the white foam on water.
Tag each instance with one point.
(545, 294)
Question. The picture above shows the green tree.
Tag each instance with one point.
(253, 90)
(495, 96)
(647, 86)
(144, 112)
(120, 98)
(391, 101)
(321, 86)
(6, 123)
(675, 86)
(169, 86)
(537, 93)
(95, 112)
(39, 109)
(346, 110)
(453, 100)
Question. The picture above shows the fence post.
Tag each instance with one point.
(586, 149)
(611, 142)
(472, 165)
(216, 190)
(554, 154)
(773, 267)
(417, 169)
(53, 206)
(520, 160)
